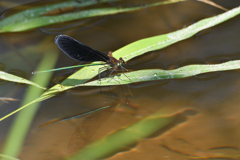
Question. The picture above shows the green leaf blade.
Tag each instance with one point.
(26, 16)
(158, 42)
(30, 19)
(13, 78)
(158, 74)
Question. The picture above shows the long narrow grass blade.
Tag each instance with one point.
(13, 78)
(142, 46)
(159, 74)
(29, 14)
(24, 22)
(23, 120)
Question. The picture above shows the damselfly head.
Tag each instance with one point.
(121, 60)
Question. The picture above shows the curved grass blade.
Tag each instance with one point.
(13, 78)
(41, 98)
(159, 74)
(29, 14)
(34, 21)
(158, 42)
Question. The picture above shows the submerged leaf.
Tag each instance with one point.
(127, 136)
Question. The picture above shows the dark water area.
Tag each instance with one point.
(211, 132)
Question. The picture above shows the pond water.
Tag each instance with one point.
(206, 105)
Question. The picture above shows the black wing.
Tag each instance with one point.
(78, 51)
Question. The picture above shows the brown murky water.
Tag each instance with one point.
(211, 132)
